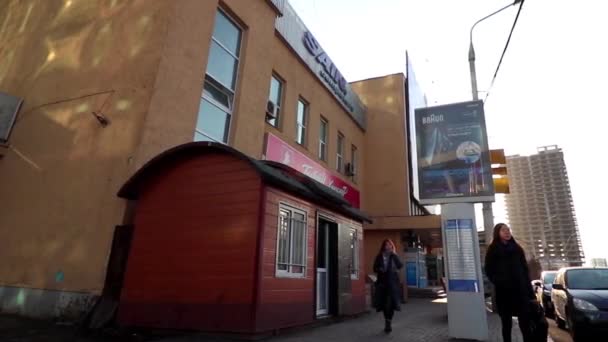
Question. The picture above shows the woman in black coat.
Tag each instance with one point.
(388, 286)
(507, 269)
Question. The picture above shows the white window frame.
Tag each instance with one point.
(220, 106)
(354, 271)
(214, 82)
(340, 153)
(302, 125)
(288, 273)
(278, 105)
(233, 22)
(323, 140)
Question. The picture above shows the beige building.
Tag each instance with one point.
(541, 209)
(394, 210)
(107, 85)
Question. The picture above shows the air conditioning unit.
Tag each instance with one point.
(350, 169)
(271, 110)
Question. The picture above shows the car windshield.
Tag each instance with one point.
(549, 278)
(587, 279)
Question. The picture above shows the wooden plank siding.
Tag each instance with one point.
(288, 302)
(192, 263)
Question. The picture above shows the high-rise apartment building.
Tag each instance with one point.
(599, 262)
(541, 209)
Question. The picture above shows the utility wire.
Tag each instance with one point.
(504, 51)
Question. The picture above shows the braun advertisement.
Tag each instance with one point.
(452, 154)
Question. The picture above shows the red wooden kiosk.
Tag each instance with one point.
(226, 243)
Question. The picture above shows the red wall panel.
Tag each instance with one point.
(192, 260)
(286, 302)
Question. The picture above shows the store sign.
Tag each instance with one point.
(453, 160)
(329, 73)
(330, 68)
(304, 44)
(279, 151)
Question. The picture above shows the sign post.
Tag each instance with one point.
(467, 318)
(454, 170)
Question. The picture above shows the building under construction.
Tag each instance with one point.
(541, 209)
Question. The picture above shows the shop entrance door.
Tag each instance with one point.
(327, 267)
(323, 268)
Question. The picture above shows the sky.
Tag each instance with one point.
(549, 91)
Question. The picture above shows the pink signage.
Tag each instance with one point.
(279, 151)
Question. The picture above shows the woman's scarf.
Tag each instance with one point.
(387, 260)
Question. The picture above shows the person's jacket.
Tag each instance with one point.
(507, 269)
(388, 285)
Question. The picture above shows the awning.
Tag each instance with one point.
(272, 173)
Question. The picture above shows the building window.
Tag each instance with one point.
(292, 243)
(354, 253)
(275, 95)
(215, 109)
(301, 121)
(340, 153)
(353, 162)
(323, 130)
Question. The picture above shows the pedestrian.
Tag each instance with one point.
(388, 286)
(507, 269)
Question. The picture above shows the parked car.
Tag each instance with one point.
(580, 298)
(543, 287)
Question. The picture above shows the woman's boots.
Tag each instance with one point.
(387, 326)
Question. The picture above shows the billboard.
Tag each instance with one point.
(453, 159)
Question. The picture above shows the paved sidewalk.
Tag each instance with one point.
(422, 320)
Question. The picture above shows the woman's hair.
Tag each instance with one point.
(384, 243)
(496, 233)
(496, 236)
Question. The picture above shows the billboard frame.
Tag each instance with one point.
(486, 171)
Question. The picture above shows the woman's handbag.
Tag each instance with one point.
(539, 328)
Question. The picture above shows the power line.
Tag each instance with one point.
(504, 51)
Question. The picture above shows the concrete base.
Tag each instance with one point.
(45, 304)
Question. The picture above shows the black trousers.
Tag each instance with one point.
(507, 326)
(389, 312)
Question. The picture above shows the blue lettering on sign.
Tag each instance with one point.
(313, 47)
(311, 44)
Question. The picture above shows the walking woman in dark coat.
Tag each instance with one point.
(507, 269)
(388, 287)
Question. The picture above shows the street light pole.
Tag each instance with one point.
(488, 215)
(472, 50)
